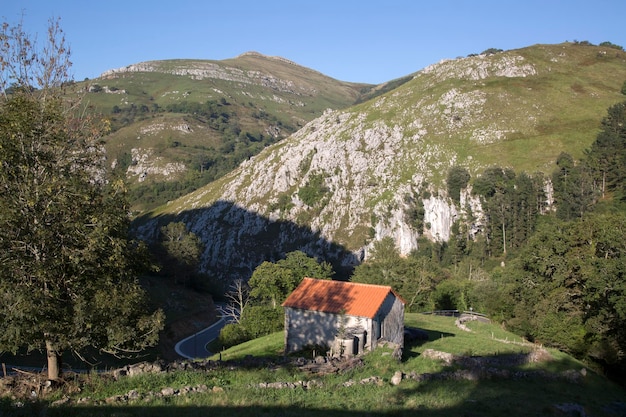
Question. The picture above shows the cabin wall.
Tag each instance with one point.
(312, 328)
(391, 315)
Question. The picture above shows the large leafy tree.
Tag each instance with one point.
(68, 271)
(182, 249)
(273, 282)
(269, 285)
(569, 286)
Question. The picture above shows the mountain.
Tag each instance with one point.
(353, 176)
(179, 124)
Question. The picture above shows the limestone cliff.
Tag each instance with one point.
(352, 177)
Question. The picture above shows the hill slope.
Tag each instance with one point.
(351, 176)
(455, 372)
(179, 124)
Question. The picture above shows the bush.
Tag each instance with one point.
(313, 191)
(448, 296)
(262, 320)
(491, 51)
(233, 334)
(612, 45)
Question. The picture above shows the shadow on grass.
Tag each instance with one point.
(435, 334)
(493, 385)
(218, 411)
(415, 340)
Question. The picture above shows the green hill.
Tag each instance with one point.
(485, 372)
(354, 176)
(179, 124)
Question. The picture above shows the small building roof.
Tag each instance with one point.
(339, 297)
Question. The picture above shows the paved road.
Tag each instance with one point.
(194, 346)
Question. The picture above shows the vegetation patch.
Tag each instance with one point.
(257, 377)
(314, 191)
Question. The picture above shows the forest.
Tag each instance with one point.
(548, 261)
(553, 273)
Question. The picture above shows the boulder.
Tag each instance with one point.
(397, 378)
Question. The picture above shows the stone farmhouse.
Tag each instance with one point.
(347, 317)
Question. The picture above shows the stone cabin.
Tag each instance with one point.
(347, 317)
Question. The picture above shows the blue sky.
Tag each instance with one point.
(350, 40)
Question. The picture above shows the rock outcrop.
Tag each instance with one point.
(352, 177)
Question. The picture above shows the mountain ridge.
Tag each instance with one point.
(369, 163)
(178, 124)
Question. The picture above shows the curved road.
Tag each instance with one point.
(194, 346)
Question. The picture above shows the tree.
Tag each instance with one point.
(526, 193)
(569, 286)
(301, 265)
(383, 265)
(457, 179)
(270, 283)
(273, 282)
(413, 277)
(496, 188)
(68, 270)
(607, 154)
(255, 307)
(573, 188)
(182, 251)
(238, 297)
(604, 236)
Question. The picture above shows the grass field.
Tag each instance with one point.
(430, 387)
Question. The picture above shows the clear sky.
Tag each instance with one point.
(351, 40)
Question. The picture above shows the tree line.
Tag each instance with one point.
(555, 274)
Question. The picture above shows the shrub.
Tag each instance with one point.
(233, 334)
(612, 45)
(491, 51)
(262, 320)
(313, 191)
(447, 296)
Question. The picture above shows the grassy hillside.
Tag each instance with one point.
(518, 109)
(166, 144)
(430, 387)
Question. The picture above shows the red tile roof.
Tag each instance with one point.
(350, 298)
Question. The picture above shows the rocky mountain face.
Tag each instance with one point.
(191, 121)
(201, 70)
(354, 176)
